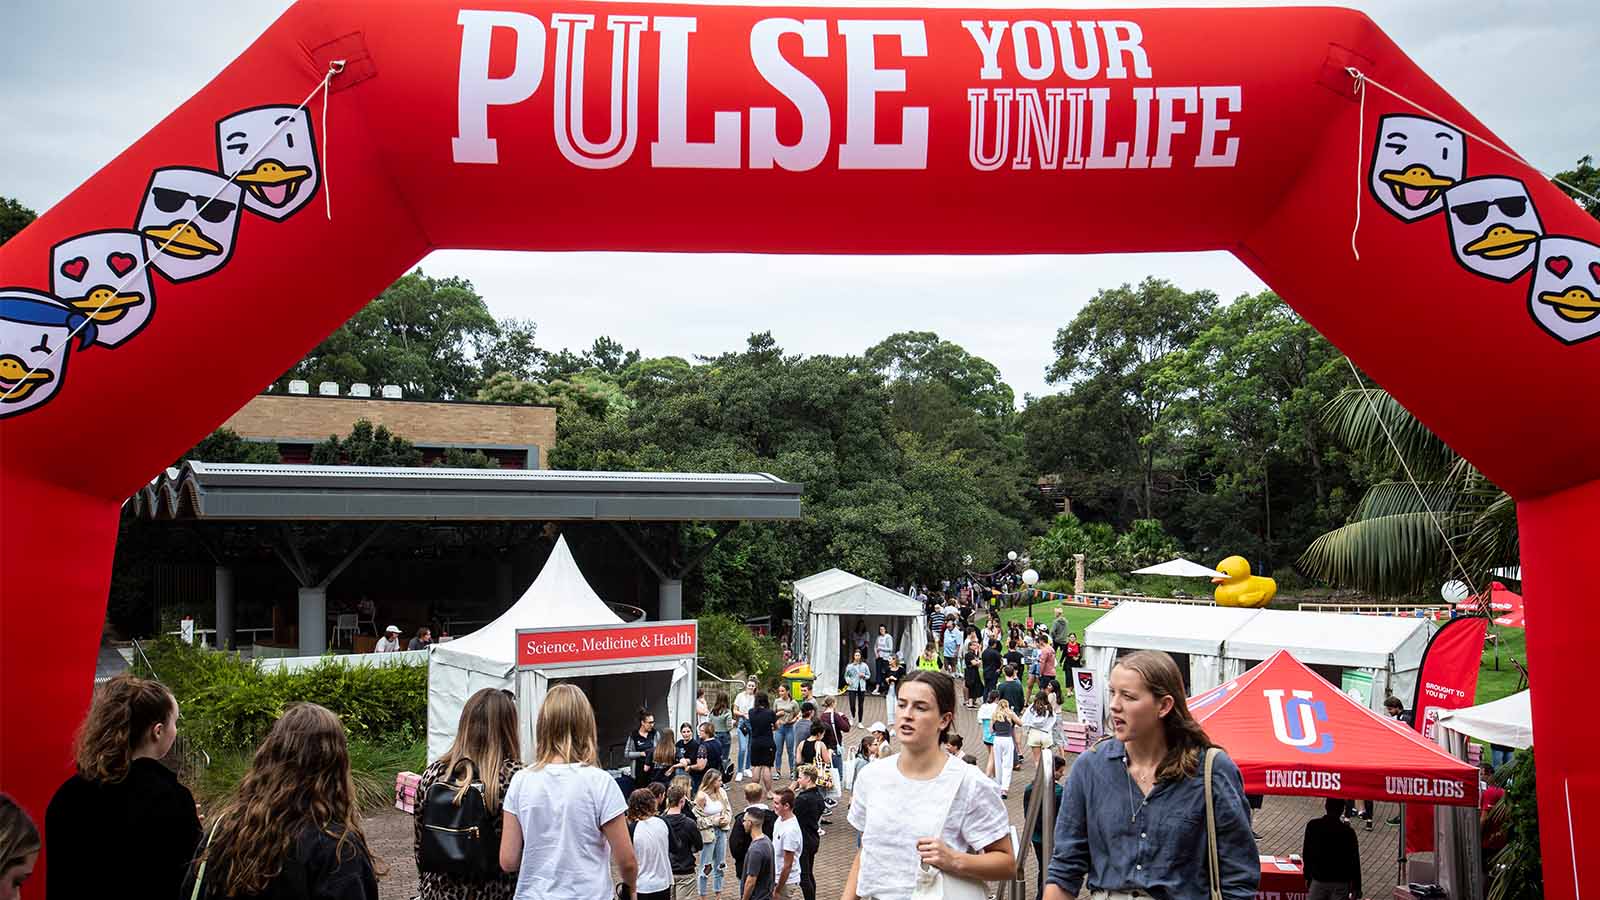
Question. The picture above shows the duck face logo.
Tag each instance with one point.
(1294, 721)
(187, 234)
(1565, 298)
(1493, 226)
(1414, 161)
(88, 274)
(35, 332)
(277, 169)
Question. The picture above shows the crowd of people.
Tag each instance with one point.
(1130, 812)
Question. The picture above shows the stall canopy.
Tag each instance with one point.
(560, 596)
(826, 608)
(1180, 568)
(1507, 721)
(1388, 648)
(1504, 604)
(1292, 732)
(1197, 631)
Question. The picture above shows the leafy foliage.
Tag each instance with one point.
(229, 704)
(226, 446)
(1585, 177)
(13, 218)
(366, 445)
(731, 650)
(1519, 874)
(1105, 552)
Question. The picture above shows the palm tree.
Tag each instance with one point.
(1392, 545)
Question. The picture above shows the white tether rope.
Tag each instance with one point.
(334, 68)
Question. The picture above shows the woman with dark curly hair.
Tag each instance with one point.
(292, 829)
(123, 823)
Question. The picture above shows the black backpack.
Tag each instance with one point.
(458, 838)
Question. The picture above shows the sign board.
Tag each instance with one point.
(1090, 695)
(1357, 685)
(539, 648)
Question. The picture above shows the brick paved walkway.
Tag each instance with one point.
(1281, 823)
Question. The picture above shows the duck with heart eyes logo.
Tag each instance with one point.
(189, 219)
(1493, 226)
(1565, 297)
(100, 274)
(36, 335)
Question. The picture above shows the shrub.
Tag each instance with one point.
(730, 649)
(229, 705)
(1519, 874)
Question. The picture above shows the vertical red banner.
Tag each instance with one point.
(1448, 679)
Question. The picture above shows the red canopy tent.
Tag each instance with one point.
(1291, 732)
(1504, 604)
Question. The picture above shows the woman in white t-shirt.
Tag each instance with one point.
(651, 846)
(895, 805)
(564, 815)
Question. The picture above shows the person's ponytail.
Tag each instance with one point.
(122, 713)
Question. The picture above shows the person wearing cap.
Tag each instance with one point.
(390, 643)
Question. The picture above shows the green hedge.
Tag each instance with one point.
(229, 705)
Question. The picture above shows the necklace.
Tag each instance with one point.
(1133, 807)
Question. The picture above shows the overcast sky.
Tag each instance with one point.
(80, 88)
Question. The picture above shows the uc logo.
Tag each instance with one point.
(1294, 722)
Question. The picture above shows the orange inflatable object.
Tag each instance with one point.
(198, 265)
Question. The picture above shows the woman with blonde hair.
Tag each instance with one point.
(1006, 726)
(19, 848)
(292, 828)
(1133, 817)
(563, 816)
(714, 814)
(123, 819)
(486, 752)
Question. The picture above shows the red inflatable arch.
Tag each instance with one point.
(639, 126)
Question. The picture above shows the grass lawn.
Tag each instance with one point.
(1492, 684)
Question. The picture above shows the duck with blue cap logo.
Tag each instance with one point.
(35, 336)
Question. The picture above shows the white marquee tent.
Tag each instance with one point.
(1196, 631)
(826, 607)
(1507, 721)
(559, 597)
(1389, 648)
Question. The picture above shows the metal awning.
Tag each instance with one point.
(239, 492)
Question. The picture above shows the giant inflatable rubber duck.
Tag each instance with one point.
(1241, 588)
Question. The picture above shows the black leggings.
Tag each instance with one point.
(858, 704)
(881, 666)
(808, 865)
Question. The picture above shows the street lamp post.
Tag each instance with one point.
(1030, 578)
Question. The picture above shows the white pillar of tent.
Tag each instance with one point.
(313, 620)
(670, 596)
(225, 607)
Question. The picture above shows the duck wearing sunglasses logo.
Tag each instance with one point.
(189, 219)
(1493, 226)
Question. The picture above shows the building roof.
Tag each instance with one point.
(241, 492)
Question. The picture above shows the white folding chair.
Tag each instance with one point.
(345, 624)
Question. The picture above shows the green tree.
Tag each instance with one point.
(1112, 356)
(1398, 540)
(513, 351)
(1586, 178)
(226, 446)
(13, 218)
(457, 458)
(424, 334)
(366, 446)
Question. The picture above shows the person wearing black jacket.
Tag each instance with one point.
(1332, 856)
(808, 808)
(641, 747)
(739, 839)
(123, 824)
(992, 661)
(683, 835)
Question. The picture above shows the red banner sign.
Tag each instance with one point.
(606, 643)
(1448, 679)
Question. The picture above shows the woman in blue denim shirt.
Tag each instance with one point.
(1133, 820)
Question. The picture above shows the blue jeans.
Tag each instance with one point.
(741, 750)
(785, 740)
(713, 857)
